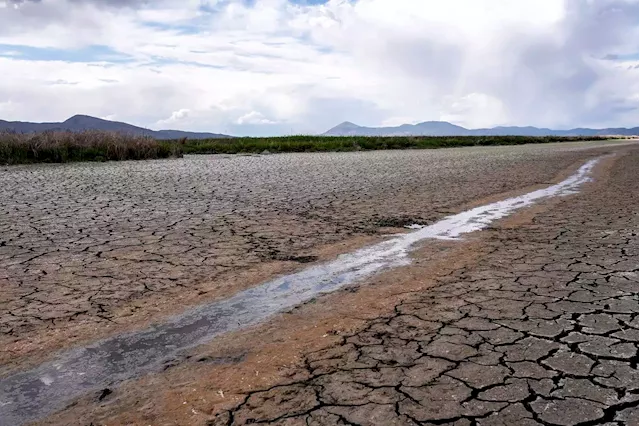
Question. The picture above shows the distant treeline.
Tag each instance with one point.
(62, 146)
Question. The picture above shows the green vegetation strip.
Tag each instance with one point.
(357, 143)
(62, 146)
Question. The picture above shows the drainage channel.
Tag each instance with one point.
(33, 394)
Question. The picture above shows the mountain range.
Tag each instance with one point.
(443, 128)
(79, 123)
(428, 128)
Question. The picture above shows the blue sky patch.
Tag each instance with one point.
(191, 28)
(95, 53)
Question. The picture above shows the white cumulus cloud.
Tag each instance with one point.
(253, 117)
(275, 67)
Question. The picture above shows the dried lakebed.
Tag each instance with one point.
(32, 394)
(89, 250)
(539, 328)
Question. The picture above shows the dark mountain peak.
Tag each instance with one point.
(81, 122)
(343, 129)
(439, 124)
(516, 127)
(347, 125)
(89, 122)
(81, 117)
(434, 122)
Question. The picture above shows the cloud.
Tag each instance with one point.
(61, 81)
(176, 116)
(275, 66)
(253, 117)
(103, 3)
(475, 110)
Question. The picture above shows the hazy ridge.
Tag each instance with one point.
(79, 123)
(443, 128)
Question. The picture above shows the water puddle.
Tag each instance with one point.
(33, 394)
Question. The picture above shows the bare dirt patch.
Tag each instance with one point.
(89, 250)
(532, 301)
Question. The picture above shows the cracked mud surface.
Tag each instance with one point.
(543, 330)
(103, 245)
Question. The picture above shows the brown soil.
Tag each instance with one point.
(62, 288)
(27, 352)
(218, 376)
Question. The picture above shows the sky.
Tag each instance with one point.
(277, 67)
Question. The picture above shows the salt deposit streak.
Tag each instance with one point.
(33, 394)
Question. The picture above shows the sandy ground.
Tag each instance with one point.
(534, 320)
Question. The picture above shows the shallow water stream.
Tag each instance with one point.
(33, 394)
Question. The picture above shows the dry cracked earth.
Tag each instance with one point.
(542, 331)
(87, 250)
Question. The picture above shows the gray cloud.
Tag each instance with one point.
(558, 74)
(553, 76)
(86, 18)
(111, 3)
(36, 13)
(562, 75)
(115, 3)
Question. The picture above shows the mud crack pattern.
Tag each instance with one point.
(542, 331)
(92, 242)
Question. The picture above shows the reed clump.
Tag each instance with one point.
(57, 146)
